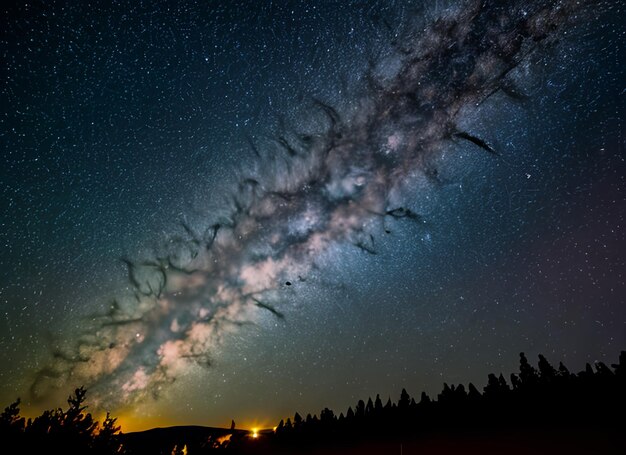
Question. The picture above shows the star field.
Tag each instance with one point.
(225, 210)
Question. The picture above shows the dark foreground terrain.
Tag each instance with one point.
(515, 442)
(539, 410)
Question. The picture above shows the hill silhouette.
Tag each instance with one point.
(538, 410)
(196, 439)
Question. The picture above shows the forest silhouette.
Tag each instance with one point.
(539, 409)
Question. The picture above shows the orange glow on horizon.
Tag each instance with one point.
(131, 422)
(128, 421)
(253, 425)
(137, 419)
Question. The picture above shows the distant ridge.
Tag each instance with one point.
(193, 436)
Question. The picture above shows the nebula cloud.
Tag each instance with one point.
(307, 193)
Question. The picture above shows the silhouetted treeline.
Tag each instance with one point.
(542, 397)
(56, 431)
(543, 402)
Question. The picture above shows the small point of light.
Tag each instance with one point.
(255, 433)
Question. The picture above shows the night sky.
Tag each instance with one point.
(214, 210)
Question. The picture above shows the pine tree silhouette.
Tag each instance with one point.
(56, 431)
(537, 398)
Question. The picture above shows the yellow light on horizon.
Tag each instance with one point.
(255, 433)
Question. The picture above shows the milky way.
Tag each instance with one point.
(341, 182)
